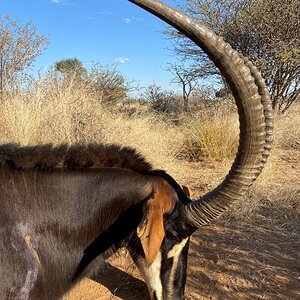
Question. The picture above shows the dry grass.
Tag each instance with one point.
(287, 131)
(58, 113)
(279, 185)
(211, 134)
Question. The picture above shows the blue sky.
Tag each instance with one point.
(105, 31)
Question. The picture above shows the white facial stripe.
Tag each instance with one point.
(175, 253)
(176, 250)
(151, 275)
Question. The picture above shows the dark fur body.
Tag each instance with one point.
(52, 210)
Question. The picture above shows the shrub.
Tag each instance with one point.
(210, 134)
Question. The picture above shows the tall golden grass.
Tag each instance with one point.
(280, 182)
(60, 112)
(211, 133)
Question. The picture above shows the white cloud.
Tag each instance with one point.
(121, 60)
(132, 19)
(62, 2)
(127, 20)
(105, 12)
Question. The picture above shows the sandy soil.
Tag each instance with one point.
(255, 256)
(225, 262)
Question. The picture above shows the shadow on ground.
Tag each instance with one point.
(255, 258)
(250, 259)
(122, 284)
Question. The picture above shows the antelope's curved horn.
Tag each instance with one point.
(254, 108)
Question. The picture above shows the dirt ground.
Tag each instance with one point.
(250, 256)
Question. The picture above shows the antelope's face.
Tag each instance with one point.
(165, 276)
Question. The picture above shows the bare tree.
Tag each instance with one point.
(20, 44)
(187, 79)
(266, 31)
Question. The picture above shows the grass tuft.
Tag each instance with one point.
(211, 134)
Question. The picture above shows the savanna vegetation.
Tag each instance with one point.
(253, 251)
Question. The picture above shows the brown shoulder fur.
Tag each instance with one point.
(72, 157)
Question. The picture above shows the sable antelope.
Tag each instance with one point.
(65, 209)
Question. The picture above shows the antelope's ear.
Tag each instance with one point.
(187, 191)
(151, 230)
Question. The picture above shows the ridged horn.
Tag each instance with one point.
(254, 108)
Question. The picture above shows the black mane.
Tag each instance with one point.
(78, 156)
